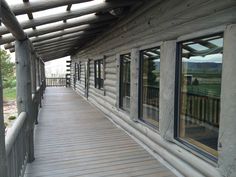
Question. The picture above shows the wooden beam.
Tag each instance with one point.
(54, 46)
(105, 6)
(53, 57)
(65, 37)
(11, 23)
(39, 5)
(64, 33)
(55, 50)
(92, 20)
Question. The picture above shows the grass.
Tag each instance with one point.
(9, 94)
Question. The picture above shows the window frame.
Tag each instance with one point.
(140, 81)
(98, 81)
(178, 71)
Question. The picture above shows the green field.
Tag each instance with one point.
(9, 94)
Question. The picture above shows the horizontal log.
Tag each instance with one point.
(11, 23)
(73, 36)
(49, 57)
(55, 46)
(105, 6)
(90, 21)
(39, 5)
(76, 31)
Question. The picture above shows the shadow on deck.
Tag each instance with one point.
(74, 139)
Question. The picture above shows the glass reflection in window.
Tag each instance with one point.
(200, 92)
(150, 84)
(125, 82)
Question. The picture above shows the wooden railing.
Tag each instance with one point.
(16, 140)
(202, 108)
(56, 82)
(198, 107)
(16, 147)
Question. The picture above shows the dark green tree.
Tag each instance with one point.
(7, 67)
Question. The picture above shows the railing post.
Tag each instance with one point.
(3, 161)
(24, 96)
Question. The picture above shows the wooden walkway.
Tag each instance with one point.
(74, 139)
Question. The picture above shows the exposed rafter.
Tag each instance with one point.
(87, 21)
(39, 5)
(105, 6)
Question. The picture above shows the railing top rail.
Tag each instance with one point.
(14, 131)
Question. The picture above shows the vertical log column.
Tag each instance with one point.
(134, 84)
(3, 163)
(227, 140)
(23, 91)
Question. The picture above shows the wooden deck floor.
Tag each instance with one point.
(74, 139)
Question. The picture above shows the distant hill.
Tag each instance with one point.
(209, 66)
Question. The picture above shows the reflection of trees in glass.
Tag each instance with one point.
(150, 86)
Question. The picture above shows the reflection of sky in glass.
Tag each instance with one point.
(197, 47)
(214, 58)
(218, 42)
(205, 50)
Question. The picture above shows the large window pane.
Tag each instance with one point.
(125, 82)
(150, 84)
(200, 92)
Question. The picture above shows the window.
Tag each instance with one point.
(150, 84)
(78, 70)
(200, 70)
(98, 73)
(125, 82)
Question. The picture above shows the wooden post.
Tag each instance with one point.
(23, 91)
(3, 162)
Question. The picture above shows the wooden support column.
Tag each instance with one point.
(227, 140)
(23, 91)
(134, 84)
(3, 162)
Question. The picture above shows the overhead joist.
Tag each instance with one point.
(11, 23)
(91, 21)
(64, 33)
(54, 52)
(76, 35)
(68, 46)
(50, 57)
(54, 46)
(40, 5)
(104, 6)
(65, 37)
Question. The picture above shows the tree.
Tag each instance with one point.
(7, 67)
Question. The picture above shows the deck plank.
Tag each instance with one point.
(74, 139)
